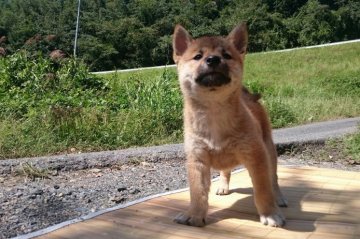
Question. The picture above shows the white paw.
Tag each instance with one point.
(273, 220)
(222, 191)
(184, 218)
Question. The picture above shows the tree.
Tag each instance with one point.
(315, 23)
(131, 33)
(266, 30)
(348, 16)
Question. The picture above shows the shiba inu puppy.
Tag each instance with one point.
(224, 124)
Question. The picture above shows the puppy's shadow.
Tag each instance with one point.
(297, 219)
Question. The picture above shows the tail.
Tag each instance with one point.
(253, 97)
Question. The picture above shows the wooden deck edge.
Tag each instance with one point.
(94, 214)
(55, 227)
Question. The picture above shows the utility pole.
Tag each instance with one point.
(77, 28)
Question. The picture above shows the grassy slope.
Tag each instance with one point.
(316, 84)
(298, 86)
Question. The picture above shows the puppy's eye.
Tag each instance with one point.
(227, 56)
(197, 57)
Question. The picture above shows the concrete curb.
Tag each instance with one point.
(69, 162)
(284, 139)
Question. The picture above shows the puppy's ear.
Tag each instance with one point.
(239, 38)
(181, 42)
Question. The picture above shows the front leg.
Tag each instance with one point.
(198, 169)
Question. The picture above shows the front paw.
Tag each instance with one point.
(273, 220)
(190, 220)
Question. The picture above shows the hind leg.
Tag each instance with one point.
(224, 182)
(260, 172)
(280, 199)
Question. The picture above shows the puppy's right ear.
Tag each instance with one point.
(181, 42)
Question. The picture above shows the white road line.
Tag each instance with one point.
(134, 69)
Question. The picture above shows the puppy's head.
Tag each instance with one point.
(209, 65)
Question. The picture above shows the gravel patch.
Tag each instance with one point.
(28, 204)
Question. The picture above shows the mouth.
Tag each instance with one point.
(212, 79)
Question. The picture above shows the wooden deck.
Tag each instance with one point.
(323, 203)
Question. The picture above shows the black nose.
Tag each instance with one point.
(213, 61)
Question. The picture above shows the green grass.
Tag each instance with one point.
(145, 108)
(298, 86)
(310, 84)
(352, 146)
(345, 150)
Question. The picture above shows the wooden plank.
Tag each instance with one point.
(335, 227)
(330, 236)
(324, 204)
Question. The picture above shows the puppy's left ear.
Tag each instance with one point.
(239, 38)
(181, 42)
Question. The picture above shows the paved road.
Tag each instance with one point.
(316, 132)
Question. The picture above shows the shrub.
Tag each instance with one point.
(33, 81)
(48, 107)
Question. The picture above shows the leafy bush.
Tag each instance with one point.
(32, 81)
(48, 107)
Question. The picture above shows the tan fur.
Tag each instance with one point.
(224, 126)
